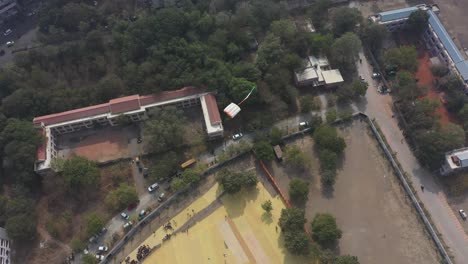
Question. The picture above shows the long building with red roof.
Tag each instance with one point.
(133, 107)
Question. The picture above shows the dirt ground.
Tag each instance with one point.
(372, 7)
(425, 77)
(101, 145)
(378, 222)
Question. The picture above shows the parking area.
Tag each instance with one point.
(368, 202)
(102, 144)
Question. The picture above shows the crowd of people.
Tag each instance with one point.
(143, 252)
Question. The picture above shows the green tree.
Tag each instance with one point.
(190, 176)
(163, 132)
(166, 165)
(325, 231)
(284, 29)
(345, 50)
(404, 58)
(373, 35)
(270, 52)
(178, 184)
(94, 223)
(345, 20)
(292, 219)
(239, 88)
(345, 259)
(80, 174)
(21, 227)
(331, 115)
(276, 136)
(122, 197)
(417, 22)
(309, 103)
(328, 160)
(233, 182)
(439, 70)
(298, 191)
(297, 242)
(263, 150)
(463, 114)
(267, 206)
(296, 158)
(359, 87)
(328, 178)
(327, 137)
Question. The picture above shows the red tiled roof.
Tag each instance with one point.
(124, 104)
(170, 95)
(118, 105)
(213, 110)
(73, 114)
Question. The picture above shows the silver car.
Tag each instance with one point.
(462, 214)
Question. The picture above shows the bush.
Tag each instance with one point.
(325, 230)
(309, 103)
(331, 115)
(267, 206)
(122, 197)
(298, 191)
(295, 157)
(275, 136)
(345, 259)
(328, 178)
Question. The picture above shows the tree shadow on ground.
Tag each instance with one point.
(327, 191)
(267, 218)
(235, 203)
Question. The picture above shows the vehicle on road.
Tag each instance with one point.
(237, 136)
(141, 215)
(103, 249)
(375, 75)
(462, 214)
(7, 32)
(153, 187)
(10, 43)
(124, 215)
(139, 140)
(161, 197)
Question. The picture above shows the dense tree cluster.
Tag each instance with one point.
(292, 222)
(325, 230)
(122, 197)
(296, 157)
(298, 191)
(233, 182)
(330, 146)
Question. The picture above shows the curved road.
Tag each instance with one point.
(379, 106)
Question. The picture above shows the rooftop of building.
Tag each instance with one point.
(117, 106)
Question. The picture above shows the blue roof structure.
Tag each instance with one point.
(397, 14)
(445, 38)
(462, 68)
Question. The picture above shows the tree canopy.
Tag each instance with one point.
(292, 219)
(345, 19)
(80, 174)
(233, 182)
(325, 230)
(298, 191)
(345, 51)
(264, 150)
(165, 131)
(404, 58)
(345, 259)
(296, 158)
(418, 22)
(327, 137)
(94, 223)
(122, 197)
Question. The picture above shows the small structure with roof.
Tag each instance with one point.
(455, 161)
(5, 247)
(278, 152)
(317, 72)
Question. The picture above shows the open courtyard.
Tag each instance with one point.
(378, 221)
(226, 229)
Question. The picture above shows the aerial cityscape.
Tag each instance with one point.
(227, 131)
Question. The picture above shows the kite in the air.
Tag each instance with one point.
(233, 109)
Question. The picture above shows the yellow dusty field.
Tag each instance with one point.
(235, 232)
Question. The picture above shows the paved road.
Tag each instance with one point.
(379, 106)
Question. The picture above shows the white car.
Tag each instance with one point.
(128, 225)
(7, 32)
(375, 75)
(462, 214)
(10, 43)
(99, 257)
(153, 187)
(304, 124)
(237, 136)
(124, 215)
(103, 249)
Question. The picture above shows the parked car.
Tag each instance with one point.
(161, 197)
(153, 187)
(99, 257)
(375, 75)
(103, 249)
(462, 214)
(303, 124)
(124, 215)
(85, 251)
(141, 215)
(237, 136)
(7, 32)
(128, 225)
(10, 43)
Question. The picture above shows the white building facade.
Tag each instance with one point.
(5, 247)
